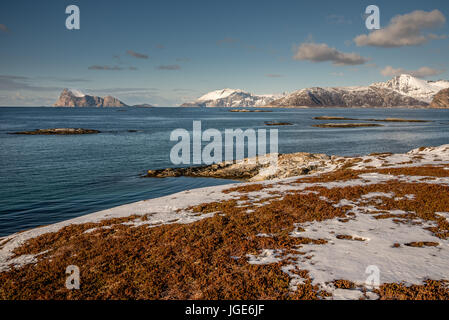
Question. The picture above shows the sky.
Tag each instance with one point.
(169, 52)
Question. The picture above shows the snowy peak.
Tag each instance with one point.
(419, 89)
(220, 94)
(231, 98)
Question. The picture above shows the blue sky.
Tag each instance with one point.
(197, 46)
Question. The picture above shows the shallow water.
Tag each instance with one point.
(46, 179)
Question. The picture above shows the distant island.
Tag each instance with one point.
(401, 91)
(75, 98)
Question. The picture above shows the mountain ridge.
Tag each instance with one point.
(402, 91)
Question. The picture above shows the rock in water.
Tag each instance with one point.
(441, 99)
(58, 131)
(74, 98)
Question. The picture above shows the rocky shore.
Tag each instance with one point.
(253, 169)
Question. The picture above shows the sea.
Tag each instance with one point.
(47, 178)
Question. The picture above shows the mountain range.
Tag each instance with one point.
(401, 91)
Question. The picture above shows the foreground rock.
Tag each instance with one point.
(288, 165)
(61, 131)
(441, 99)
(69, 98)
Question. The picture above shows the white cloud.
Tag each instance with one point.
(404, 30)
(320, 52)
(422, 72)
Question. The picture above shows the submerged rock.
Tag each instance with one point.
(274, 123)
(379, 120)
(346, 125)
(58, 131)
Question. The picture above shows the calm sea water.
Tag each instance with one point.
(46, 179)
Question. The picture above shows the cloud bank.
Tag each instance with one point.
(404, 30)
(321, 52)
(422, 72)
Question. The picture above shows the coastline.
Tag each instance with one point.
(376, 179)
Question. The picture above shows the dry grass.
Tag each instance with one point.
(430, 290)
(207, 259)
(178, 261)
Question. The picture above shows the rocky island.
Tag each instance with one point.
(75, 98)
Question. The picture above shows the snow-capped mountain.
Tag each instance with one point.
(371, 96)
(231, 98)
(413, 87)
(401, 91)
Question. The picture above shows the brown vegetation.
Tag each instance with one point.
(208, 259)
